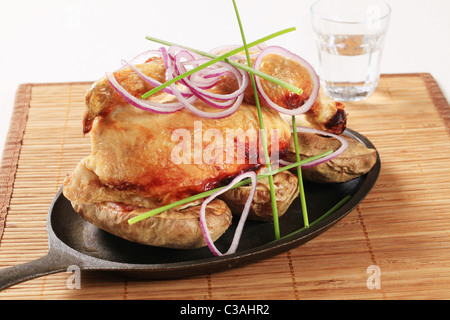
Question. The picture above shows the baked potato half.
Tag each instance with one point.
(286, 190)
(176, 228)
(354, 162)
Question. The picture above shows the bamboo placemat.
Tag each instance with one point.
(402, 227)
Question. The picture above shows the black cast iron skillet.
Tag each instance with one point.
(73, 241)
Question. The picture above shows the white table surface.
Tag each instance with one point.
(74, 40)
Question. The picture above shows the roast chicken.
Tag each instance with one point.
(141, 160)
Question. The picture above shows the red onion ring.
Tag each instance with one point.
(143, 104)
(164, 56)
(151, 81)
(283, 52)
(339, 151)
(188, 104)
(206, 78)
(203, 114)
(240, 226)
(196, 85)
(162, 53)
(242, 78)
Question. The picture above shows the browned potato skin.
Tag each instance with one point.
(286, 190)
(176, 228)
(356, 160)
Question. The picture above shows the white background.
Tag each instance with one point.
(78, 40)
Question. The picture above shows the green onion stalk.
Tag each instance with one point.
(299, 175)
(263, 132)
(332, 210)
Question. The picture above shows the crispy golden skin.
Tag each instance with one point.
(102, 97)
(158, 156)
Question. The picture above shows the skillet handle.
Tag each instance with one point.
(51, 263)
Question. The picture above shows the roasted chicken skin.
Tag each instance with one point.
(167, 157)
(326, 114)
(102, 98)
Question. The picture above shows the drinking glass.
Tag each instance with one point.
(350, 35)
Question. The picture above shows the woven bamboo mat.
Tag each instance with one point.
(402, 227)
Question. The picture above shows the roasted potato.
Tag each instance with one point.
(176, 228)
(286, 190)
(356, 161)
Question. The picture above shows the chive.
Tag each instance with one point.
(296, 164)
(208, 193)
(216, 58)
(263, 132)
(332, 210)
(299, 175)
